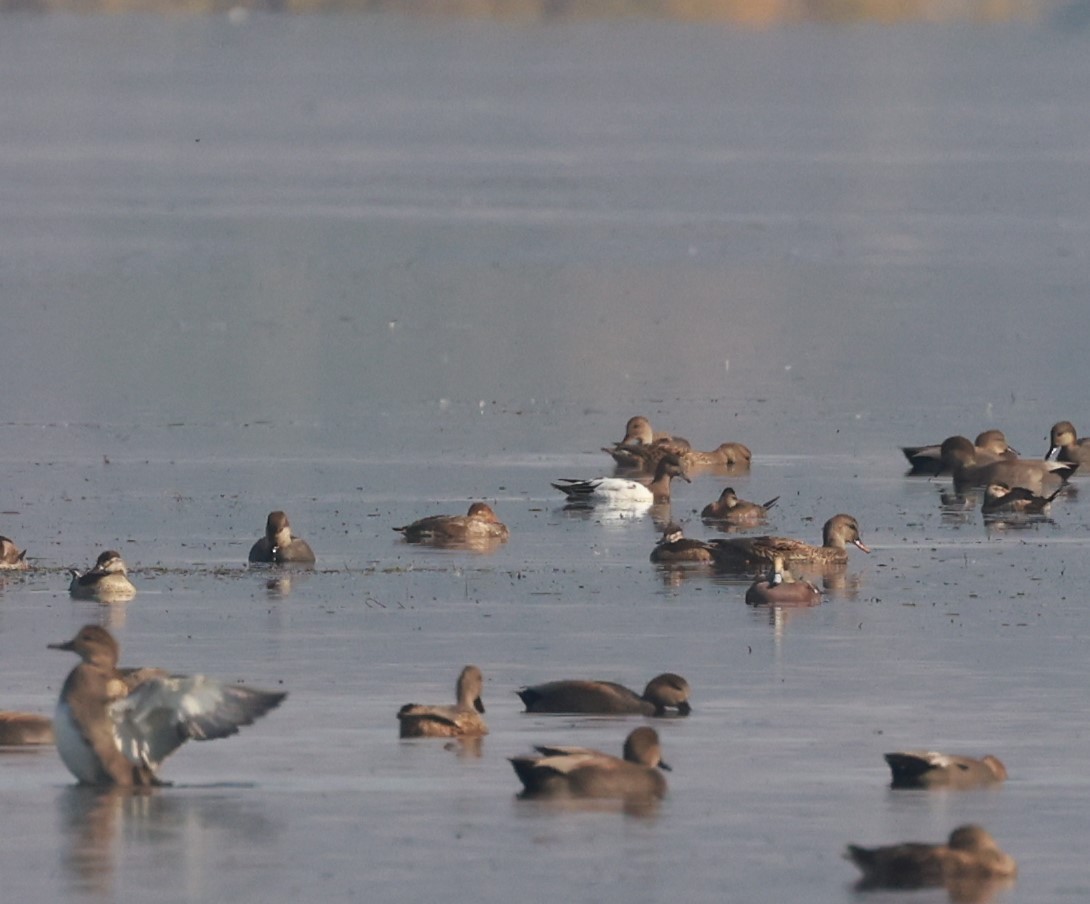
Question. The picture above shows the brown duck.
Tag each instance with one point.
(1065, 446)
(676, 549)
(780, 588)
(960, 459)
(930, 769)
(729, 509)
(479, 523)
(463, 719)
(743, 553)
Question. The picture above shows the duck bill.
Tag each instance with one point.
(665, 767)
(863, 546)
(477, 705)
(68, 646)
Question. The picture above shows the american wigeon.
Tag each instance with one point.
(479, 523)
(584, 773)
(115, 726)
(25, 729)
(279, 546)
(1000, 499)
(780, 588)
(11, 557)
(746, 552)
(107, 581)
(463, 719)
(729, 509)
(970, 854)
(960, 459)
(674, 548)
(1064, 445)
(619, 492)
(930, 769)
(989, 446)
(663, 692)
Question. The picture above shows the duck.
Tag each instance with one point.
(11, 557)
(108, 581)
(970, 854)
(960, 458)
(1000, 499)
(642, 447)
(746, 552)
(115, 726)
(675, 548)
(619, 492)
(463, 719)
(930, 769)
(990, 445)
(580, 772)
(19, 729)
(663, 692)
(479, 523)
(729, 509)
(780, 588)
(279, 546)
(1064, 445)
(725, 455)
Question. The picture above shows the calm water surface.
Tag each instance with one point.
(366, 270)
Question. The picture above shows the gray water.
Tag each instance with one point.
(367, 269)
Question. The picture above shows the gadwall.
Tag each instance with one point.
(746, 552)
(663, 692)
(11, 557)
(115, 726)
(780, 588)
(959, 457)
(675, 548)
(584, 773)
(621, 493)
(1065, 446)
(729, 509)
(107, 582)
(970, 854)
(460, 720)
(929, 769)
(279, 546)
(989, 446)
(25, 729)
(1000, 499)
(479, 523)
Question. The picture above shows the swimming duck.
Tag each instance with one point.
(663, 692)
(642, 448)
(460, 720)
(729, 509)
(11, 557)
(479, 523)
(970, 854)
(619, 492)
(1002, 499)
(991, 445)
(746, 552)
(115, 726)
(959, 457)
(725, 455)
(107, 582)
(780, 588)
(929, 769)
(1064, 446)
(279, 546)
(584, 773)
(25, 729)
(675, 548)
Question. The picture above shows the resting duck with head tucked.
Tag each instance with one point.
(11, 557)
(747, 552)
(663, 692)
(1000, 499)
(619, 492)
(25, 729)
(930, 769)
(1065, 446)
(674, 548)
(729, 509)
(107, 582)
(642, 448)
(479, 523)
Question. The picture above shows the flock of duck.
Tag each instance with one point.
(115, 726)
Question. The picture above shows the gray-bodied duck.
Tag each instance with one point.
(960, 459)
(279, 546)
(991, 445)
(663, 692)
(931, 769)
(1064, 444)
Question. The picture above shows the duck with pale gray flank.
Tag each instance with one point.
(674, 548)
(991, 445)
(744, 553)
(780, 588)
(107, 582)
(960, 459)
(11, 557)
(930, 769)
(25, 729)
(479, 523)
(462, 720)
(621, 493)
(1064, 445)
(1000, 499)
(579, 772)
(663, 692)
(971, 854)
(279, 546)
(729, 509)
(115, 726)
